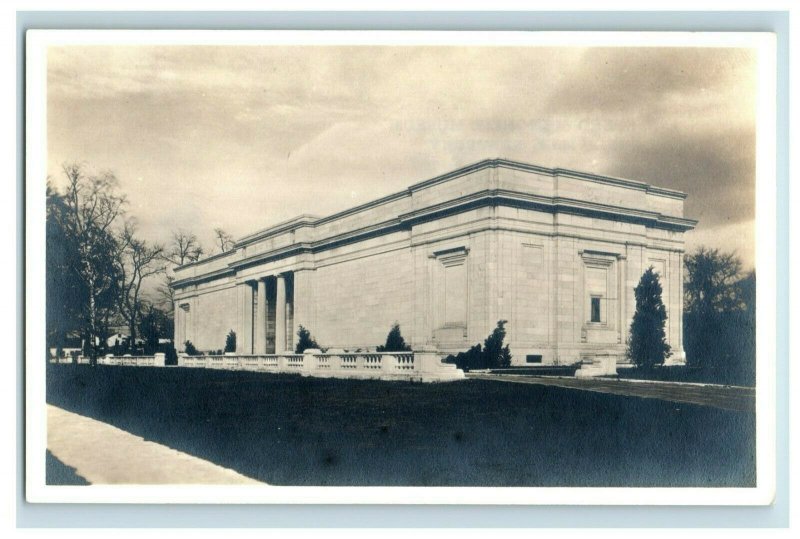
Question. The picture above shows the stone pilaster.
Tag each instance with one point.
(622, 294)
(304, 301)
(180, 333)
(635, 267)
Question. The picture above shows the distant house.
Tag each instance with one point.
(120, 338)
(116, 339)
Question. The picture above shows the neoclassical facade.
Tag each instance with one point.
(557, 253)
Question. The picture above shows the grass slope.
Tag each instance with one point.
(288, 430)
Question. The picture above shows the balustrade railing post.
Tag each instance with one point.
(388, 363)
(335, 362)
(310, 361)
(426, 359)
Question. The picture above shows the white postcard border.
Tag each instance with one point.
(36, 151)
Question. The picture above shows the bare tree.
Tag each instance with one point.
(184, 248)
(165, 295)
(137, 261)
(224, 240)
(92, 207)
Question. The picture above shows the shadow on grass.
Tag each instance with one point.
(58, 473)
(289, 430)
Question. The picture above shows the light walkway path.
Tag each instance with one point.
(741, 399)
(103, 454)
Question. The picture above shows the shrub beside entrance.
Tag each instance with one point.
(491, 356)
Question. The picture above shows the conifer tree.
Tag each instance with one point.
(230, 342)
(647, 345)
(489, 356)
(304, 341)
(505, 357)
(394, 341)
(495, 355)
(190, 349)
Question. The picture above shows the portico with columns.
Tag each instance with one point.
(555, 252)
(265, 317)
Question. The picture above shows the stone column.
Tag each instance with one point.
(244, 338)
(280, 315)
(260, 344)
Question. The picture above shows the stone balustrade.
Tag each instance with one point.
(158, 360)
(421, 365)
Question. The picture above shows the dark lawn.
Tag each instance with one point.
(288, 430)
(58, 473)
(682, 373)
(550, 370)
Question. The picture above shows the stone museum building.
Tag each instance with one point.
(557, 253)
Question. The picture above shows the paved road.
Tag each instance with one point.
(726, 397)
(103, 454)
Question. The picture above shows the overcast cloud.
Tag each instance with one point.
(243, 137)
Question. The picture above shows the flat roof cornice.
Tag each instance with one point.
(313, 220)
(538, 169)
(290, 224)
(207, 259)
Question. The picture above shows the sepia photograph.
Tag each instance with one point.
(399, 259)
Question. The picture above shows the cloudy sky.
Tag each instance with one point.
(243, 137)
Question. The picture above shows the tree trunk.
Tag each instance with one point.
(132, 331)
(92, 323)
